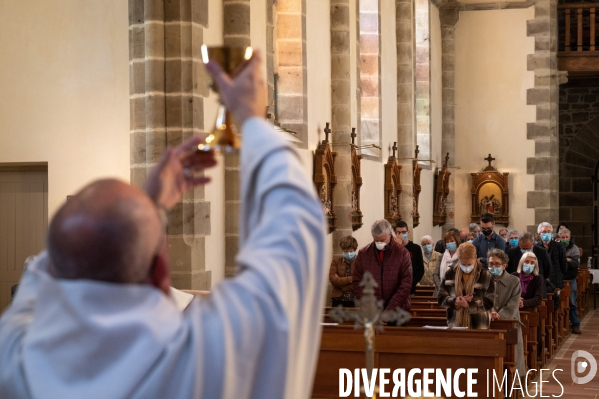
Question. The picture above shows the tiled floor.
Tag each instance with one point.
(562, 364)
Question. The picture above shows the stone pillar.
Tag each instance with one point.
(167, 87)
(449, 17)
(236, 32)
(341, 42)
(291, 67)
(545, 95)
(406, 137)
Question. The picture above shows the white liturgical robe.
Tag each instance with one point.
(256, 336)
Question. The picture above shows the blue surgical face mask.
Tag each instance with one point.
(527, 269)
(451, 246)
(546, 237)
(466, 269)
(514, 242)
(404, 236)
(525, 250)
(496, 271)
(349, 255)
(428, 248)
(470, 241)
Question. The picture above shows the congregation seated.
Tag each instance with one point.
(430, 259)
(467, 291)
(507, 298)
(341, 271)
(451, 242)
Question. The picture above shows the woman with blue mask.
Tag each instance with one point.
(467, 291)
(451, 241)
(531, 281)
(431, 258)
(340, 273)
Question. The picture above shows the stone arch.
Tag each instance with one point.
(577, 165)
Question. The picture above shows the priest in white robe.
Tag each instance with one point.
(256, 336)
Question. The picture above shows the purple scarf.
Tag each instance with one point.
(525, 281)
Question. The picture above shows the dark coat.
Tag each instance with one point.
(483, 245)
(535, 291)
(572, 252)
(559, 265)
(482, 301)
(341, 282)
(417, 263)
(393, 275)
(515, 254)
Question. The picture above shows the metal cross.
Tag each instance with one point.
(489, 159)
(370, 315)
(353, 135)
(394, 148)
(327, 131)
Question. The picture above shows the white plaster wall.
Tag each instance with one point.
(426, 199)
(64, 80)
(215, 190)
(491, 80)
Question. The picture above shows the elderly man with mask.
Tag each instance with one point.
(506, 304)
(556, 252)
(573, 259)
(390, 265)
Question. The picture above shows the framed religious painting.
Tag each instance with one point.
(324, 178)
(392, 188)
(356, 184)
(490, 193)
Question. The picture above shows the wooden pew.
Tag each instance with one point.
(408, 348)
(549, 337)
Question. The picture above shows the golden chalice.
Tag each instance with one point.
(224, 136)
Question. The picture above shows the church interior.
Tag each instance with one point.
(427, 111)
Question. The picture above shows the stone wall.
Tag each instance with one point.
(579, 153)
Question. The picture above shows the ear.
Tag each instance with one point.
(160, 275)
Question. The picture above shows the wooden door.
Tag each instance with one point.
(23, 222)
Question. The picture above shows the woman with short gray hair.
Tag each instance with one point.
(430, 258)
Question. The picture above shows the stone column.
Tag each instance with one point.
(167, 87)
(341, 123)
(449, 17)
(545, 95)
(406, 137)
(236, 32)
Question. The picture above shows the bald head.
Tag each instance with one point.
(109, 231)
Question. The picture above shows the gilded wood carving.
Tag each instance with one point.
(417, 188)
(490, 193)
(392, 188)
(356, 184)
(324, 177)
(441, 193)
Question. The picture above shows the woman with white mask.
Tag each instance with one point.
(452, 241)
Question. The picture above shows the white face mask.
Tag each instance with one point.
(380, 245)
(467, 269)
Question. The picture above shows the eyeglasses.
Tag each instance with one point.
(495, 264)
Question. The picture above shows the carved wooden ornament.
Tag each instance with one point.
(324, 177)
(417, 188)
(441, 193)
(392, 188)
(356, 184)
(490, 194)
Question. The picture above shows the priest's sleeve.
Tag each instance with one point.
(261, 329)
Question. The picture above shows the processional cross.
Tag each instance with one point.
(370, 315)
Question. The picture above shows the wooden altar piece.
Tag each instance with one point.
(356, 183)
(392, 188)
(441, 193)
(417, 188)
(324, 177)
(490, 193)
